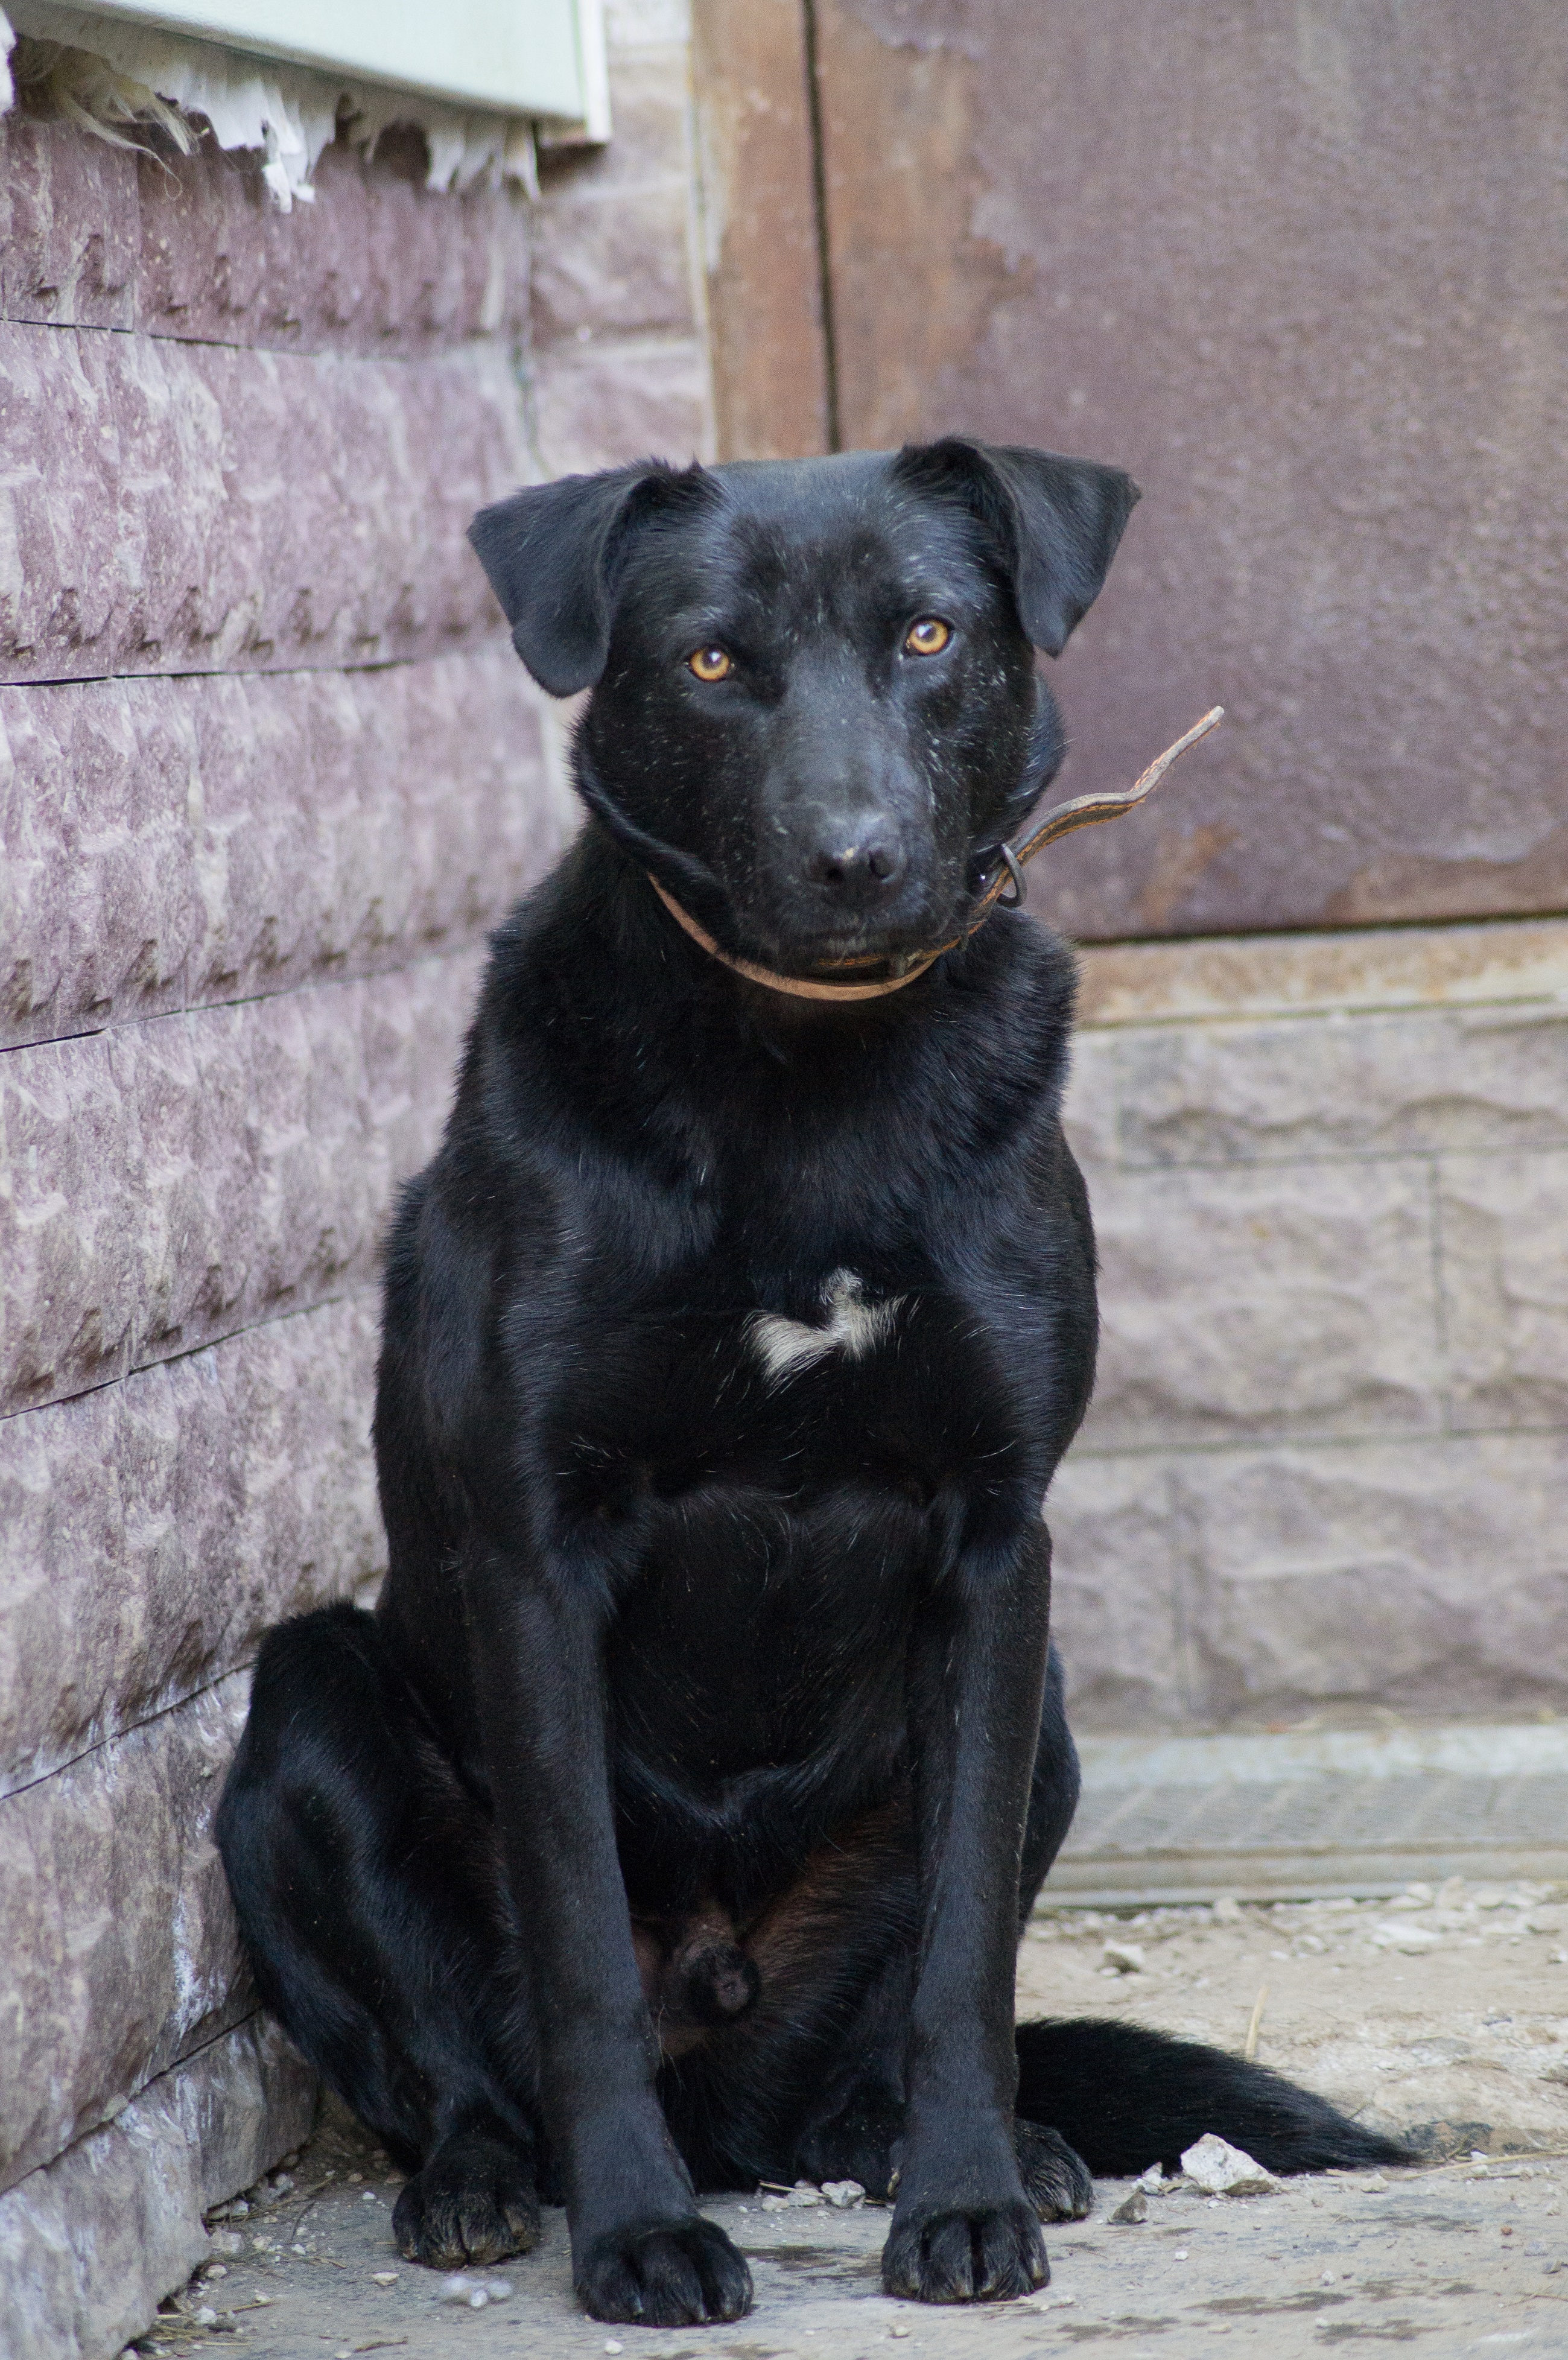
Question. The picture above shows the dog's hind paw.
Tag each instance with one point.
(1055, 2179)
(979, 2256)
(473, 2200)
(664, 2274)
(856, 2143)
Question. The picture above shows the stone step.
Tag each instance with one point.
(1313, 1814)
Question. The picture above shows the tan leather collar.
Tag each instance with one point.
(1083, 812)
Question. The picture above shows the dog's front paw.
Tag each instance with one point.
(965, 2254)
(473, 2200)
(1056, 2180)
(664, 2274)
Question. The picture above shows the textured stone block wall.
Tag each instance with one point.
(268, 773)
(1327, 1461)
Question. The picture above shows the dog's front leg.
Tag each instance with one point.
(963, 2227)
(640, 2248)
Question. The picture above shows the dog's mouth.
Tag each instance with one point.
(818, 942)
(847, 953)
(823, 951)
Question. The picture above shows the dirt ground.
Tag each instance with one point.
(1444, 2014)
(1440, 2007)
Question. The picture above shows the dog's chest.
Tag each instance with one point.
(838, 1379)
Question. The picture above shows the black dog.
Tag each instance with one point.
(673, 1821)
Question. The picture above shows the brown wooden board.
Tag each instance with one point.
(764, 274)
(1302, 266)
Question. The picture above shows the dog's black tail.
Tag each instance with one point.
(1126, 2097)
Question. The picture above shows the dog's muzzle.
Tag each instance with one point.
(1004, 867)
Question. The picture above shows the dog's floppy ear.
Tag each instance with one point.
(550, 553)
(1059, 521)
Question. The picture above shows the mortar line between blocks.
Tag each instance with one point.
(1440, 1293)
(118, 1026)
(369, 1291)
(1252, 1444)
(118, 1736)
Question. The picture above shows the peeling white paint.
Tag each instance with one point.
(287, 113)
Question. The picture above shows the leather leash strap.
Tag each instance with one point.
(1082, 811)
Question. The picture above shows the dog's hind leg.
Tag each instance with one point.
(811, 2085)
(854, 2130)
(374, 1917)
(854, 2124)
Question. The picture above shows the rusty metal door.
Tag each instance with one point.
(1302, 266)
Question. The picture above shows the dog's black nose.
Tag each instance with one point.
(856, 860)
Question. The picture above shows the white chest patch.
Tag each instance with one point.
(849, 1325)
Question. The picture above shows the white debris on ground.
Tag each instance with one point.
(1123, 1958)
(1211, 2164)
(470, 2288)
(842, 2194)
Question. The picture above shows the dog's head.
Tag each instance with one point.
(815, 707)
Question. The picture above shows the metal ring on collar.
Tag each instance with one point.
(1020, 882)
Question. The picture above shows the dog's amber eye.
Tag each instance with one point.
(928, 637)
(710, 663)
